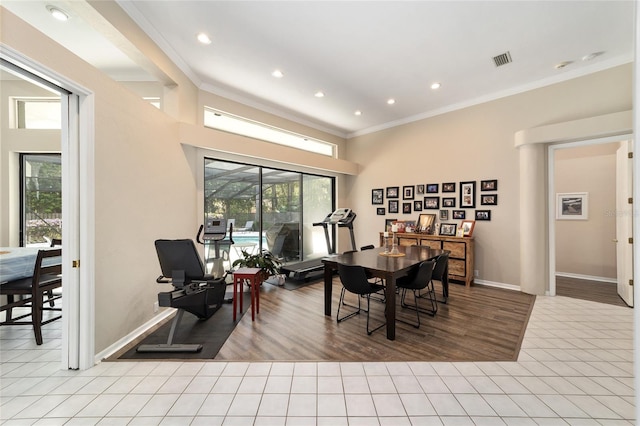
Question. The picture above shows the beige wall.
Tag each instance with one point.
(586, 247)
(477, 143)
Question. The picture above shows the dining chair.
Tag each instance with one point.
(380, 297)
(31, 292)
(354, 280)
(438, 275)
(419, 280)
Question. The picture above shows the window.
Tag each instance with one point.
(270, 208)
(37, 113)
(41, 198)
(242, 126)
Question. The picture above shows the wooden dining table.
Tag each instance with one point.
(380, 265)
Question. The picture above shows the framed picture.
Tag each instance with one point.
(459, 214)
(420, 189)
(489, 185)
(483, 214)
(432, 188)
(448, 202)
(489, 199)
(449, 187)
(388, 223)
(406, 208)
(467, 227)
(377, 196)
(417, 206)
(425, 223)
(407, 192)
(448, 229)
(468, 195)
(393, 206)
(392, 191)
(380, 211)
(572, 206)
(431, 203)
(444, 214)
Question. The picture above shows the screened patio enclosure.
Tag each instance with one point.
(270, 209)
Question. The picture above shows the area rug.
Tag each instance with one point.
(211, 333)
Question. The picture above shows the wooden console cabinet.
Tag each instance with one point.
(461, 248)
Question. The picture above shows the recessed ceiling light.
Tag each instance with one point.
(591, 56)
(319, 94)
(563, 64)
(57, 13)
(277, 74)
(391, 101)
(435, 85)
(358, 112)
(204, 38)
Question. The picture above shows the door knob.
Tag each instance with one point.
(615, 240)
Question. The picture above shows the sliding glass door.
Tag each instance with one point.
(271, 209)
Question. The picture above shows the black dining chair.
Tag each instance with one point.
(439, 272)
(416, 282)
(354, 280)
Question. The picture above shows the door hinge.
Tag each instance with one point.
(630, 154)
(75, 263)
(630, 200)
(630, 240)
(631, 282)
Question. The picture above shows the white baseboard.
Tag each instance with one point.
(133, 335)
(497, 284)
(586, 277)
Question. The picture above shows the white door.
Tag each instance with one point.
(624, 221)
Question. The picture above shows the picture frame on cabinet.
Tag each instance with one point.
(459, 214)
(483, 214)
(489, 199)
(431, 203)
(448, 229)
(449, 187)
(407, 192)
(388, 223)
(380, 211)
(489, 185)
(393, 206)
(377, 196)
(417, 206)
(468, 195)
(467, 227)
(393, 191)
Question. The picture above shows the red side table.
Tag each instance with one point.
(252, 275)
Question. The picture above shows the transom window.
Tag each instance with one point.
(37, 113)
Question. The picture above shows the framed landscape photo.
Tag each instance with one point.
(392, 191)
(468, 195)
(417, 206)
(380, 211)
(459, 214)
(393, 206)
(448, 229)
(407, 192)
(489, 185)
(432, 188)
(377, 196)
(449, 187)
(431, 203)
(448, 201)
(406, 208)
(483, 214)
(489, 199)
(572, 206)
(467, 227)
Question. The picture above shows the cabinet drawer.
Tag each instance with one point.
(457, 267)
(434, 244)
(407, 241)
(456, 249)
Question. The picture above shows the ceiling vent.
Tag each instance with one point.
(502, 59)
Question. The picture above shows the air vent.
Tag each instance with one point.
(502, 59)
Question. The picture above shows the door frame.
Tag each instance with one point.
(551, 199)
(78, 207)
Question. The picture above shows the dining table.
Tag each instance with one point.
(383, 265)
(18, 262)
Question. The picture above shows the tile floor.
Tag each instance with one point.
(575, 368)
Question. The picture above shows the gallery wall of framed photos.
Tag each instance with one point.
(456, 205)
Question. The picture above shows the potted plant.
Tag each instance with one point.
(264, 260)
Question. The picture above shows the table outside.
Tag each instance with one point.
(18, 262)
(385, 267)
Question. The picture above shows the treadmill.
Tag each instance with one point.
(341, 217)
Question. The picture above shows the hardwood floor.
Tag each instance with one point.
(594, 291)
(478, 324)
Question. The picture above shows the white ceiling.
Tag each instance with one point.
(360, 53)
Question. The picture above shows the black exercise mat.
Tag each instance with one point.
(211, 333)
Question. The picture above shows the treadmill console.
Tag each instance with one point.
(340, 215)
